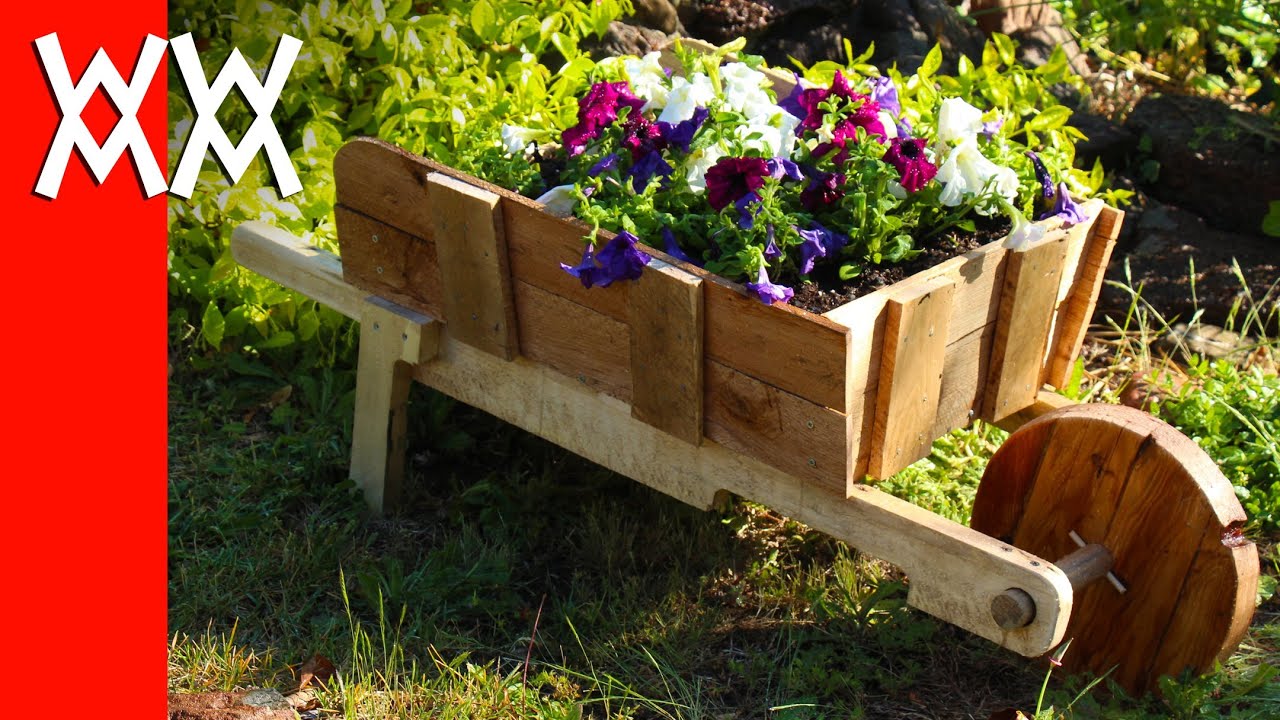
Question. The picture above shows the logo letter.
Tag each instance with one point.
(72, 131)
(207, 134)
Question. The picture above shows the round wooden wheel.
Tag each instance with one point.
(1122, 479)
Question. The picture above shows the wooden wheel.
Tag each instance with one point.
(1122, 479)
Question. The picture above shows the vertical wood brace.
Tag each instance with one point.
(915, 342)
(392, 341)
(665, 312)
(471, 247)
(1076, 310)
(1027, 300)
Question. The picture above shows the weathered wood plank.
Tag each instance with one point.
(1071, 321)
(666, 321)
(474, 273)
(916, 324)
(1031, 283)
(392, 263)
(573, 340)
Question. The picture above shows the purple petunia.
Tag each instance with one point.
(885, 95)
(771, 251)
(767, 292)
(907, 156)
(608, 162)
(646, 168)
(1071, 212)
(824, 189)
(780, 168)
(991, 127)
(732, 178)
(681, 134)
(672, 248)
(746, 218)
(1042, 174)
(619, 259)
(586, 270)
(818, 242)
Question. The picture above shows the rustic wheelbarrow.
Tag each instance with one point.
(1095, 523)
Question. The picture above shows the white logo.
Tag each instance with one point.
(206, 133)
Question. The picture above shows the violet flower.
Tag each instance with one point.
(608, 162)
(586, 270)
(672, 248)
(811, 248)
(646, 167)
(991, 127)
(1071, 212)
(767, 292)
(886, 95)
(824, 189)
(780, 168)
(681, 134)
(914, 169)
(771, 250)
(791, 103)
(1042, 174)
(746, 218)
(731, 178)
(831, 240)
(621, 259)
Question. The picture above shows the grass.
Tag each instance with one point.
(523, 582)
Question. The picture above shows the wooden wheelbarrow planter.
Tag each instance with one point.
(682, 381)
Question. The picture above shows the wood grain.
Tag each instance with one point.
(391, 263)
(1071, 321)
(666, 320)
(573, 340)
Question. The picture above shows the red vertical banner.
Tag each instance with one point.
(83, 368)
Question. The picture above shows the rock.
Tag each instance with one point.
(809, 36)
(719, 21)
(1222, 164)
(659, 15)
(244, 705)
(1109, 142)
(624, 39)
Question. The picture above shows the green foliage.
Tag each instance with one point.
(435, 79)
(1235, 416)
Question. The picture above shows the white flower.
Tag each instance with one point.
(744, 89)
(890, 126)
(685, 96)
(1023, 233)
(958, 121)
(559, 200)
(967, 171)
(517, 139)
(699, 163)
(648, 80)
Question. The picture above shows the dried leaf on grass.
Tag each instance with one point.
(315, 672)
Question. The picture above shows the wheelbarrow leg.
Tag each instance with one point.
(393, 340)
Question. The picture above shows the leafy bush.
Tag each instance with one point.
(1234, 415)
(434, 78)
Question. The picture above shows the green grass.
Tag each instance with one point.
(643, 607)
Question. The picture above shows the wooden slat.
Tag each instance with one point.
(1029, 293)
(665, 317)
(290, 261)
(391, 263)
(907, 399)
(1074, 313)
(472, 250)
(1046, 401)
(573, 340)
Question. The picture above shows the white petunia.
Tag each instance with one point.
(686, 96)
(648, 80)
(958, 121)
(1024, 232)
(744, 89)
(517, 139)
(559, 200)
(890, 126)
(967, 171)
(700, 162)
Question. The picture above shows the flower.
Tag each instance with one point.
(867, 116)
(608, 162)
(885, 95)
(699, 162)
(780, 168)
(746, 218)
(559, 200)
(991, 127)
(597, 110)
(648, 78)
(1024, 232)
(1071, 212)
(771, 251)
(907, 156)
(732, 178)
(681, 134)
(958, 121)
(811, 248)
(641, 136)
(621, 260)
(517, 139)
(767, 292)
(824, 189)
(646, 167)
(686, 96)
(586, 270)
(672, 248)
(744, 89)
(1042, 174)
(967, 172)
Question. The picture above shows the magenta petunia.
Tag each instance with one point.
(641, 136)
(767, 292)
(730, 179)
(597, 110)
(867, 117)
(907, 156)
(824, 189)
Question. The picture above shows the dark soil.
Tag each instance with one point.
(826, 291)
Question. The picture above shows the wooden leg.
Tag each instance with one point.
(391, 344)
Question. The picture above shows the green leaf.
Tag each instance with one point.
(1050, 119)
(308, 324)
(484, 21)
(212, 325)
(1271, 223)
(931, 63)
(277, 340)
(1006, 47)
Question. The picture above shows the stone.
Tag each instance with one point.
(242, 705)
(624, 39)
(658, 15)
(1220, 163)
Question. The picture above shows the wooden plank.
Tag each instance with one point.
(666, 321)
(1046, 401)
(916, 325)
(783, 430)
(475, 280)
(954, 572)
(292, 262)
(392, 341)
(389, 262)
(1074, 313)
(1028, 297)
(573, 340)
